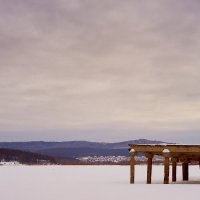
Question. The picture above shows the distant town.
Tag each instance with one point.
(115, 159)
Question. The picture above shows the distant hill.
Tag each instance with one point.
(74, 149)
(8, 155)
(39, 145)
(83, 152)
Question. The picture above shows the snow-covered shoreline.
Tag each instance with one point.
(11, 163)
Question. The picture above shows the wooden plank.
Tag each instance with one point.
(172, 148)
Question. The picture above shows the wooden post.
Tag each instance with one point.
(185, 170)
(149, 167)
(166, 171)
(166, 154)
(132, 166)
(174, 169)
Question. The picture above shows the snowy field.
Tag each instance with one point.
(92, 183)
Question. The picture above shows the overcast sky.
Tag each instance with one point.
(100, 70)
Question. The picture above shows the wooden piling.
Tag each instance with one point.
(185, 170)
(149, 167)
(166, 170)
(174, 169)
(132, 168)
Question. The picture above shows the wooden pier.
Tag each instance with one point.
(183, 154)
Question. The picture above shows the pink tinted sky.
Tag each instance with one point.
(99, 70)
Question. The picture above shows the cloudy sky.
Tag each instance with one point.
(106, 70)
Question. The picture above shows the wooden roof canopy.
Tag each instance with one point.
(171, 152)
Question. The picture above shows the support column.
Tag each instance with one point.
(174, 169)
(166, 171)
(132, 166)
(185, 169)
(149, 167)
(166, 154)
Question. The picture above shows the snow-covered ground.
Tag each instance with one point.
(92, 183)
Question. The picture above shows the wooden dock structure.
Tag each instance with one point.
(173, 153)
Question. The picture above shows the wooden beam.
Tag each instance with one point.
(185, 170)
(132, 168)
(172, 148)
(149, 167)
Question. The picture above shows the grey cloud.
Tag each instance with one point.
(95, 68)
